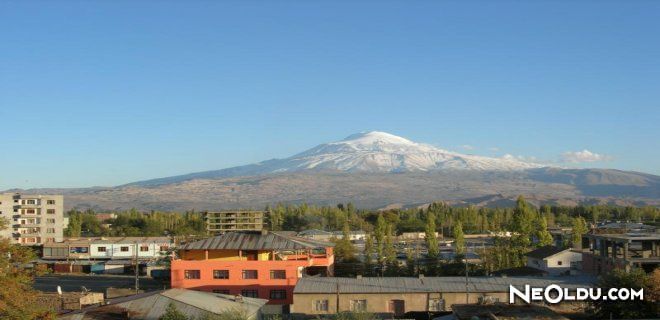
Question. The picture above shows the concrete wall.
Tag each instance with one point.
(380, 302)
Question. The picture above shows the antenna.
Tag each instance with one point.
(59, 290)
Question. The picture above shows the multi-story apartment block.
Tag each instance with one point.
(621, 251)
(252, 264)
(224, 221)
(32, 219)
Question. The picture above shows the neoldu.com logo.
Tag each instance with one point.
(555, 294)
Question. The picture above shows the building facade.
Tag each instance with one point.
(32, 219)
(252, 264)
(624, 251)
(108, 248)
(226, 221)
(399, 295)
(555, 261)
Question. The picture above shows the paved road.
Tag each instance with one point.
(96, 283)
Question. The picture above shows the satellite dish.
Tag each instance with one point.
(59, 290)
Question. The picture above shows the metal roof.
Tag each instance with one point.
(108, 240)
(152, 305)
(430, 284)
(544, 252)
(254, 241)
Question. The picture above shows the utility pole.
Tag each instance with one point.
(467, 285)
(137, 270)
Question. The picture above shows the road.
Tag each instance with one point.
(96, 283)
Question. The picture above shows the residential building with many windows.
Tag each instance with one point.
(226, 221)
(264, 265)
(32, 219)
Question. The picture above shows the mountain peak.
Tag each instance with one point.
(375, 137)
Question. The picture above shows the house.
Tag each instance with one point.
(152, 305)
(263, 265)
(396, 296)
(554, 261)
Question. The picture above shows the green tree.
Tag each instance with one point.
(344, 249)
(459, 239)
(172, 313)
(544, 237)
(430, 238)
(18, 300)
(379, 233)
(629, 309)
(579, 228)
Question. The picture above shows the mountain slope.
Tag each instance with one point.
(369, 152)
(373, 170)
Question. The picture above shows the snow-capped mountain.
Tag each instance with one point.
(377, 151)
(368, 152)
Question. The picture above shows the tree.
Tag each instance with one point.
(379, 233)
(544, 237)
(18, 300)
(172, 313)
(629, 309)
(459, 239)
(368, 254)
(344, 249)
(431, 239)
(579, 228)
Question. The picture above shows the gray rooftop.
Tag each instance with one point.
(430, 284)
(152, 305)
(254, 241)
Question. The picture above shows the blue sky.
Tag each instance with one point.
(106, 93)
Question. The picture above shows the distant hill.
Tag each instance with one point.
(373, 170)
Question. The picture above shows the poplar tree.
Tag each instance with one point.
(431, 240)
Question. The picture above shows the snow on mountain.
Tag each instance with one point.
(377, 151)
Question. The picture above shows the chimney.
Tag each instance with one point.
(238, 298)
(264, 232)
(359, 276)
(421, 276)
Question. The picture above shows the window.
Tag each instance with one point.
(100, 249)
(50, 211)
(144, 248)
(358, 305)
(29, 211)
(249, 274)
(277, 274)
(50, 220)
(250, 293)
(50, 201)
(220, 291)
(277, 294)
(191, 274)
(220, 274)
(123, 249)
(31, 201)
(320, 305)
(559, 263)
(164, 248)
(50, 230)
(436, 305)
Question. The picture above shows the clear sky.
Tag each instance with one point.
(110, 92)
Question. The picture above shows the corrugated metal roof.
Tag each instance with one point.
(430, 284)
(152, 305)
(254, 241)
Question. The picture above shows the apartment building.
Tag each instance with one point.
(263, 265)
(32, 219)
(225, 221)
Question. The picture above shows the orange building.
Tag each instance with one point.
(258, 264)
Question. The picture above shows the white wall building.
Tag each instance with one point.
(122, 248)
(554, 261)
(32, 219)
